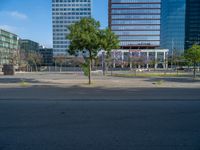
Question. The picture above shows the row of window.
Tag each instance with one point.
(72, 5)
(135, 1)
(61, 42)
(72, 13)
(135, 21)
(8, 40)
(136, 6)
(71, 9)
(9, 46)
(137, 32)
(59, 38)
(69, 1)
(64, 22)
(59, 26)
(8, 36)
(126, 43)
(136, 27)
(135, 16)
(139, 38)
(59, 34)
(60, 30)
(60, 46)
(70, 17)
(137, 11)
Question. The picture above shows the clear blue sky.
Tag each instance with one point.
(31, 19)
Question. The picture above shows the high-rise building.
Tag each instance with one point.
(192, 26)
(136, 22)
(64, 13)
(173, 24)
(9, 46)
(180, 24)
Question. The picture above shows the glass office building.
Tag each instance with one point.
(192, 30)
(28, 45)
(173, 24)
(9, 46)
(64, 13)
(180, 24)
(136, 22)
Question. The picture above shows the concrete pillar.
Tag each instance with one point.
(164, 58)
(156, 59)
(114, 59)
(122, 53)
(130, 57)
(139, 66)
(147, 60)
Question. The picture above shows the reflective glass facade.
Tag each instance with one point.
(180, 24)
(66, 12)
(28, 45)
(136, 22)
(173, 24)
(192, 29)
(9, 44)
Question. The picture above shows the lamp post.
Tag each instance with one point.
(172, 53)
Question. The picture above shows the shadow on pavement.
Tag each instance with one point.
(178, 80)
(98, 93)
(17, 80)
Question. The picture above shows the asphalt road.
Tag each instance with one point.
(38, 93)
(99, 125)
(72, 117)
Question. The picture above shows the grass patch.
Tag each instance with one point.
(159, 82)
(24, 84)
(149, 75)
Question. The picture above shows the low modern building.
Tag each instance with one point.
(47, 56)
(9, 47)
(180, 24)
(28, 45)
(140, 58)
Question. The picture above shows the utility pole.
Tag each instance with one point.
(172, 53)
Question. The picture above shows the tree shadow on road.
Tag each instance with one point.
(17, 80)
(172, 79)
(44, 92)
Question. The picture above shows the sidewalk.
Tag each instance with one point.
(69, 79)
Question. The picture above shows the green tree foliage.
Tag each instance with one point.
(85, 68)
(85, 36)
(109, 41)
(193, 56)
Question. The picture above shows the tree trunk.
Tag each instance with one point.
(90, 67)
(103, 63)
(36, 69)
(194, 72)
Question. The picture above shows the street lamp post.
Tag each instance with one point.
(172, 53)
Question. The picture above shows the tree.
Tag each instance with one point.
(85, 37)
(60, 60)
(109, 41)
(193, 56)
(34, 59)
